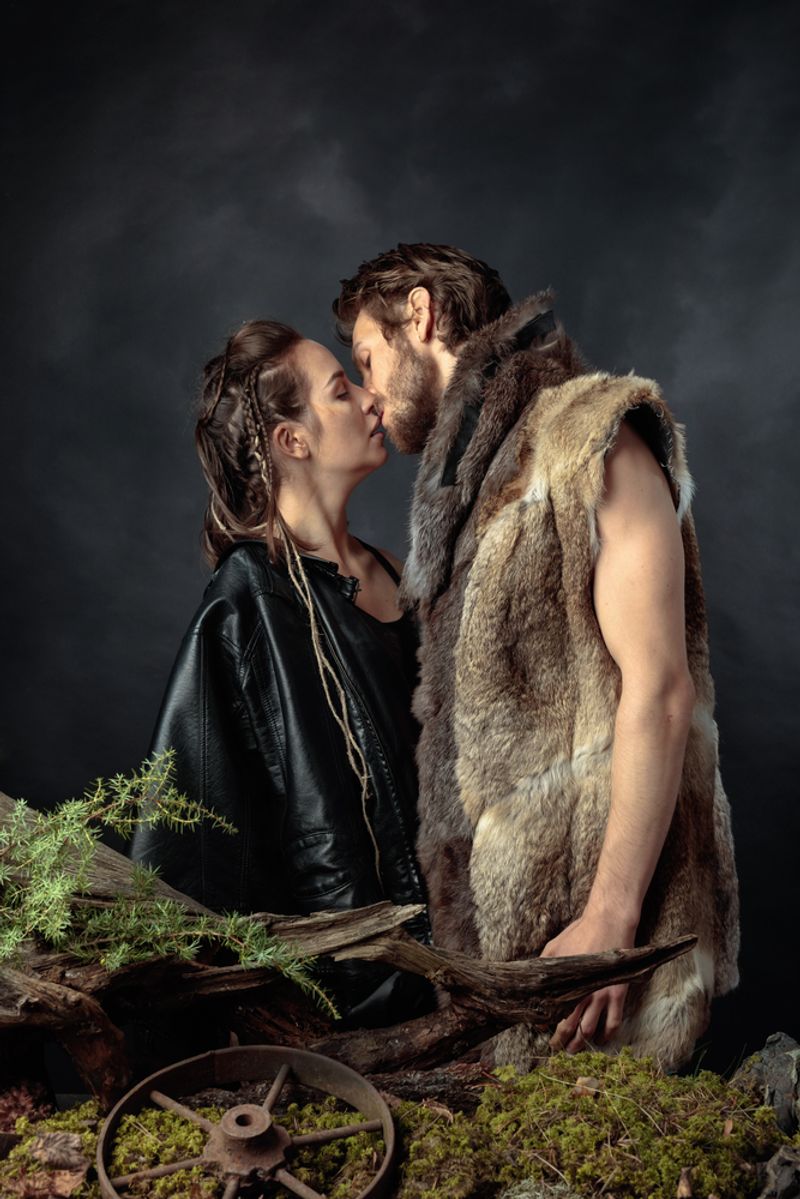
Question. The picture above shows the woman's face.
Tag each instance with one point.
(344, 434)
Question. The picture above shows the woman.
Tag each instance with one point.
(289, 704)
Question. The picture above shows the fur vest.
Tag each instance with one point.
(518, 693)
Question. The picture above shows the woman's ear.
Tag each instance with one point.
(290, 440)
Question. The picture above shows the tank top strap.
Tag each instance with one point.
(385, 563)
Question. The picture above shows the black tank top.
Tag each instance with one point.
(400, 637)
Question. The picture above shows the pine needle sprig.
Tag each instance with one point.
(148, 796)
(45, 888)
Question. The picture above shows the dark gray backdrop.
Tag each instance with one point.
(172, 169)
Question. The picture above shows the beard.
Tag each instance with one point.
(412, 388)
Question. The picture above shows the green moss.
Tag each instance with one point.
(632, 1137)
(342, 1168)
(83, 1119)
(530, 1133)
(440, 1156)
(154, 1137)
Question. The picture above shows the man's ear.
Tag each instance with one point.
(423, 321)
(290, 439)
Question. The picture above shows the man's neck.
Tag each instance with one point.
(446, 363)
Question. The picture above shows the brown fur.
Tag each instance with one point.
(518, 692)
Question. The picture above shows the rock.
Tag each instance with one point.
(534, 1188)
(684, 1190)
(59, 1151)
(783, 1175)
(587, 1086)
(774, 1073)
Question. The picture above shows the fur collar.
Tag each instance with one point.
(499, 372)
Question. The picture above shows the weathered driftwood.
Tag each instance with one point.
(83, 1005)
(484, 998)
(456, 1087)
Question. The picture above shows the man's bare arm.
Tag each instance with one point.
(639, 603)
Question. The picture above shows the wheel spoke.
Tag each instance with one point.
(172, 1105)
(276, 1088)
(232, 1187)
(157, 1172)
(334, 1134)
(294, 1184)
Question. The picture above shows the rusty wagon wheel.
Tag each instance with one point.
(247, 1150)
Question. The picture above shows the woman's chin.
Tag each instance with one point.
(377, 457)
(381, 454)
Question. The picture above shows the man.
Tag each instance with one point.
(570, 799)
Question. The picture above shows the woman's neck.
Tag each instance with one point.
(318, 519)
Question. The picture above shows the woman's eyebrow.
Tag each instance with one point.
(336, 375)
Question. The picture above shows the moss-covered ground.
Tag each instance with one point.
(624, 1131)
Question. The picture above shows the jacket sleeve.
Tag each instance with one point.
(205, 720)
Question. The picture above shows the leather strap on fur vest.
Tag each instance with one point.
(475, 415)
(538, 328)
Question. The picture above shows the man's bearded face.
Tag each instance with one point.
(410, 396)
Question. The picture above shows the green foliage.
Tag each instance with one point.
(342, 1168)
(530, 1138)
(630, 1138)
(45, 867)
(156, 1138)
(444, 1156)
(20, 1165)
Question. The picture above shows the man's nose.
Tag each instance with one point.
(370, 401)
(366, 383)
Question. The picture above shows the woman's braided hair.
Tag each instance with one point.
(248, 390)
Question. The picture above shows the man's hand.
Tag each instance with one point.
(598, 1016)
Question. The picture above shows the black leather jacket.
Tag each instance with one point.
(254, 739)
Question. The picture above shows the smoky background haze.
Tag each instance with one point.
(174, 169)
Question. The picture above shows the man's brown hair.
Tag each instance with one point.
(465, 291)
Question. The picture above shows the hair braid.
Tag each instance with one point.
(260, 439)
(299, 578)
(223, 370)
(256, 450)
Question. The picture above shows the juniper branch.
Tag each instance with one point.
(45, 864)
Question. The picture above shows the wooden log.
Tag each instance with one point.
(79, 1002)
(90, 1037)
(173, 981)
(456, 1086)
(485, 998)
(509, 987)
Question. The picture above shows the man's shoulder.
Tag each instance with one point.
(581, 417)
(588, 401)
(571, 428)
